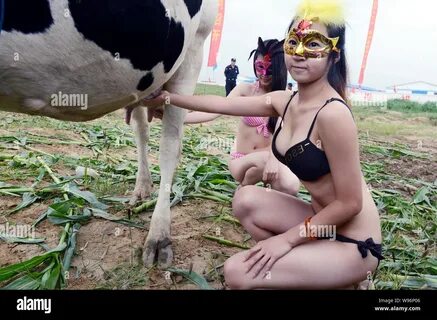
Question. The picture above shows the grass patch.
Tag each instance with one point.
(411, 106)
(206, 89)
(124, 277)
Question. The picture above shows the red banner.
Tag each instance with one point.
(369, 41)
(216, 35)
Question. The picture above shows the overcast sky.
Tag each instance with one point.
(404, 45)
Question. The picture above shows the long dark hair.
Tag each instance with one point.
(275, 49)
(338, 72)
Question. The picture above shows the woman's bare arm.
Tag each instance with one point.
(200, 117)
(261, 106)
(197, 117)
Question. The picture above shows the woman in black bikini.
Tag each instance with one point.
(324, 154)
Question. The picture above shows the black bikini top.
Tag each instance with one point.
(304, 159)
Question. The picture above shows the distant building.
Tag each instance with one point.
(419, 91)
(415, 88)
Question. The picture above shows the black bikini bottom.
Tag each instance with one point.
(363, 246)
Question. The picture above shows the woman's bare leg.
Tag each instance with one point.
(249, 169)
(239, 167)
(320, 264)
(287, 181)
(266, 212)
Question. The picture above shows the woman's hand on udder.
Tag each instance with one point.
(155, 105)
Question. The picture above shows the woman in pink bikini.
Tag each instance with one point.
(251, 158)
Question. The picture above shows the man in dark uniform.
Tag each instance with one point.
(231, 74)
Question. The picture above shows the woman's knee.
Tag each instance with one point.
(252, 176)
(234, 170)
(235, 277)
(287, 182)
(290, 186)
(244, 201)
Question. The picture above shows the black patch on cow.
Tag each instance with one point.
(193, 6)
(1, 14)
(141, 31)
(27, 16)
(145, 82)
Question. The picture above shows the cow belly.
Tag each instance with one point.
(94, 53)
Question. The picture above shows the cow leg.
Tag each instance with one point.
(158, 242)
(143, 185)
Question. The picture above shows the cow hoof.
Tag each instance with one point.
(140, 193)
(159, 251)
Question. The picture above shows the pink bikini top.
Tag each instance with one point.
(259, 123)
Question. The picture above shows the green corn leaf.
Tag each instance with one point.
(12, 270)
(116, 199)
(86, 195)
(107, 216)
(71, 246)
(27, 282)
(41, 218)
(10, 239)
(420, 282)
(28, 199)
(59, 213)
(51, 277)
(58, 218)
(421, 196)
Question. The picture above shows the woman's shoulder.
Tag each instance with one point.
(283, 97)
(280, 99)
(338, 112)
(338, 107)
(246, 89)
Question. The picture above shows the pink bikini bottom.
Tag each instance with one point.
(237, 155)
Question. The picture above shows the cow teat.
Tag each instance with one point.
(34, 104)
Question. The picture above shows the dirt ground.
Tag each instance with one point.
(406, 167)
(104, 245)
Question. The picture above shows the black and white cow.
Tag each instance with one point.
(106, 55)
